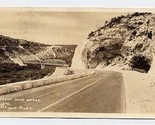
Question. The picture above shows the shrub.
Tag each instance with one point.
(69, 72)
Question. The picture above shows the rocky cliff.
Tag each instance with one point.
(126, 41)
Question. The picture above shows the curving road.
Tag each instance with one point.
(101, 93)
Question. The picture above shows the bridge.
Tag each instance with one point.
(48, 62)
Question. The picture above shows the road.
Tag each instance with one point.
(101, 93)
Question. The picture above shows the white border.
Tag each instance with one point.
(77, 3)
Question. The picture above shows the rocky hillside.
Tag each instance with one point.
(21, 51)
(13, 50)
(126, 41)
(22, 60)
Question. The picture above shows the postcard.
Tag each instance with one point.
(77, 62)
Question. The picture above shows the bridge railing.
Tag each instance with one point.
(54, 62)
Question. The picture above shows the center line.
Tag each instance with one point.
(70, 95)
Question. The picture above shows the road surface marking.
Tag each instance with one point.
(29, 91)
(71, 94)
(62, 83)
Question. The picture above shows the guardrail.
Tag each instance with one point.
(25, 85)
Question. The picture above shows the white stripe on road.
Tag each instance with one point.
(71, 94)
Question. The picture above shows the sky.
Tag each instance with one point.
(52, 27)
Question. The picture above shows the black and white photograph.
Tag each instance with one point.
(89, 61)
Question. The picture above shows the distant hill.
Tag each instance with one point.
(18, 51)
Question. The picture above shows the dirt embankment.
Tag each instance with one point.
(139, 91)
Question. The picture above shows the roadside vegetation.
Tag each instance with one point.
(11, 73)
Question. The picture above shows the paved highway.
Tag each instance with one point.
(101, 93)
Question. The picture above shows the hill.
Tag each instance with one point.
(22, 60)
(126, 41)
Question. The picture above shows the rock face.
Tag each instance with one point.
(124, 41)
(77, 62)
